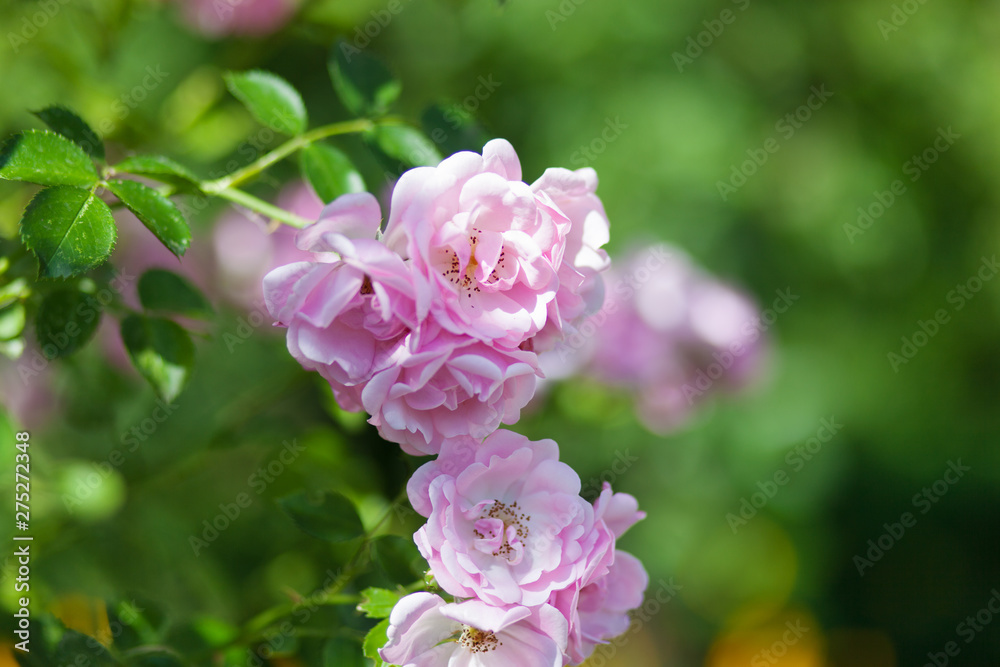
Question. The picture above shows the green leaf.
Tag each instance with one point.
(12, 320)
(341, 652)
(363, 83)
(453, 129)
(330, 172)
(46, 158)
(272, 100)
(66, 320)
(399, 558)
(328, 516)
(69, 229)
(166, 291)
(74, 128)
(75, 648)
(156, 212)
(377, 602)
(161, 351)
(376, 638)
(404, 146)
(159, 167)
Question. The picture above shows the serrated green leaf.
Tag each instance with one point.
(159, 167)
(272, 100)
(377, 602)
(328, 516)
(363, 83)
(65, 321)
(161, 351)
(74, 128)
(330, 172)
(12, 320)
(342, 652)
(158, 213)
(46, 158)
(69, 229)
(162, 290)
(376, 638)
(404, 145)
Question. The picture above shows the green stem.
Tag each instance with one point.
(254, 628)
(284, 150)
(260, 206)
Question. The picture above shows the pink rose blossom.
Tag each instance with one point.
(246, 250)
(348, 311)
(356, 316)
(489, 245)
(510, 527)
(424, 631)
(597, 605)
(581, 289)
(442, 386)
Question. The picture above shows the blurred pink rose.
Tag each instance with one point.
(424, 631)
(245, 249)
(669, 332)
(217, 18)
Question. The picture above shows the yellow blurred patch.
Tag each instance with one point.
(632, 649)
(7, 656)
(792, 638)
(84, 614)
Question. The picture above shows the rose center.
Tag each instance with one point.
(478, 641)
(502, 531)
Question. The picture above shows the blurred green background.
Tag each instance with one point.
(664, 100)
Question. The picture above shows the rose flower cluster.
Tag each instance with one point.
(433, 328)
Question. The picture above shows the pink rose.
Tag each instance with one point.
(424, 631)
(246, 249)
(487, 243)
(443, 386)
(581, 289)
(510, 527)
(597, 605)
(348, 311)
